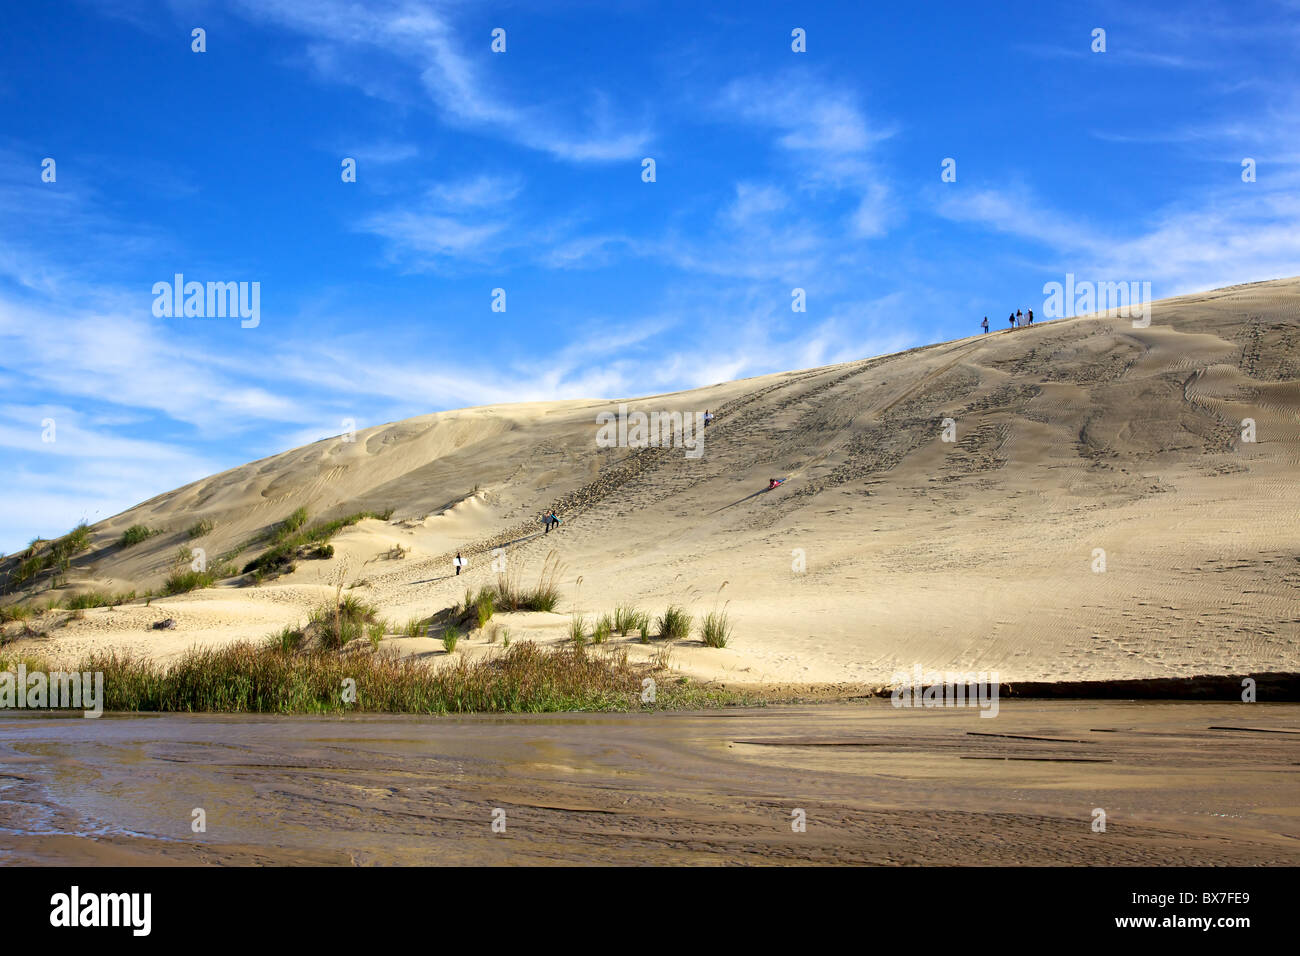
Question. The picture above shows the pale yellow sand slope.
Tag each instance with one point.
(1078, 435)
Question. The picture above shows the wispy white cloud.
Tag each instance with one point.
(381, 152)
(422, 37)
(828, 141)
(1248, 233)
(464, 219)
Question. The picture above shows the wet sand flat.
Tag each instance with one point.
(1180, 784)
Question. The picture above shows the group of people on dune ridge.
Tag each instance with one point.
(1017, 320)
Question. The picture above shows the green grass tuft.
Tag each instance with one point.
(291, 540)
(14, 612)
(90, 599)
(577, 630)
(674, 624)
(628, 618)
(450, 638)
(137, 533)
(269, 678)
(715, 630)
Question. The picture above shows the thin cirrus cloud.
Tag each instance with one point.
(421, 37)
(1243, 234)
(464, 219)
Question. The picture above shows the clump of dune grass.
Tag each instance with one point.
(413, 627)
(14, 612)
(75, 541)
(266, 678)
(339, 622)
(674, 624)
(137, 533)
(201, 528)
(602, 630)
(543, 596)
(578, 630)
(184, 579)
(297, 518)
(628, 618)
(484, 607)
(90, 599)
(644, 629)
(53, 556)
(450, 638)
(291, 540)
(288, 639)
(715, 629)
(29, 568)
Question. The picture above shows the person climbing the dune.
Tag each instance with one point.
(1030, 323)
(459, 562)
(774, 483)
(708, 418)
(1012, 319)
(551, 521)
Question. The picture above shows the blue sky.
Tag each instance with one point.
(523, 171)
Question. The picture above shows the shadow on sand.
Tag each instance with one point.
(527, 537)
(761, 491)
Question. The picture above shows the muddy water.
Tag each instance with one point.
(876, 785)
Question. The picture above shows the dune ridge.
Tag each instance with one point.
(1077, 438)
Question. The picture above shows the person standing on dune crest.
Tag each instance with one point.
(985, 324)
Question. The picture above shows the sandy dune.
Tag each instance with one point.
(975, 554)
